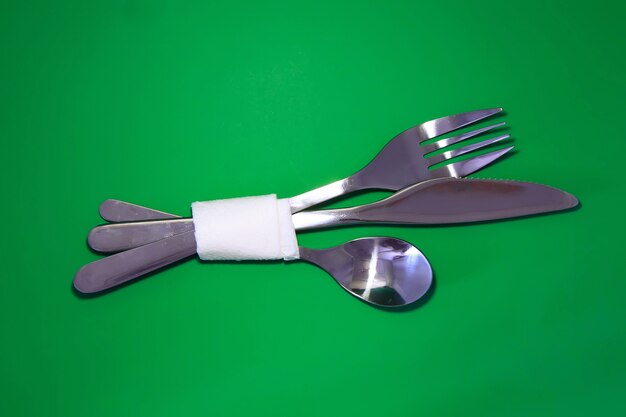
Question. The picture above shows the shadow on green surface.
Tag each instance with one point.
(417, 304)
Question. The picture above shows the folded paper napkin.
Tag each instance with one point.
(247, 228)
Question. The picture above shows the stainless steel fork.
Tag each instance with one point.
(404, 161)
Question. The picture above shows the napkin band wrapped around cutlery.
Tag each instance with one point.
(246, 228)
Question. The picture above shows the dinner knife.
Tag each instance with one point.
(439, 201)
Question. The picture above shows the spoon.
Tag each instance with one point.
(382, 271)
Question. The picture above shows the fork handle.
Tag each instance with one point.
(324, 193)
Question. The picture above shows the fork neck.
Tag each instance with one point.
(325, 193)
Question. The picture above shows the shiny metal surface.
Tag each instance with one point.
(447, 201)
(384, 271)
(117, 269)
(404, 160)
(440, 201)
(120, 211)
(117, 237)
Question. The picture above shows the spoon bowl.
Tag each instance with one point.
(383, 271)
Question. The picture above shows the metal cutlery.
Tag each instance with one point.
(439, 201)
(405, 160)
(121, 211)
(383, 271)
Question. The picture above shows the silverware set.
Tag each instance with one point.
(383, 271)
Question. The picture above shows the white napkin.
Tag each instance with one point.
(246, 228)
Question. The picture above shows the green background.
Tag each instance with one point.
(163, 103)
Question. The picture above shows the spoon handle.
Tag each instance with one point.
(125, 266)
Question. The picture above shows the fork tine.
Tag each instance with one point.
(456, 152)
(469, 166)
(440, 144)
(443, 125)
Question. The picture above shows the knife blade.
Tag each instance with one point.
(447, 201)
